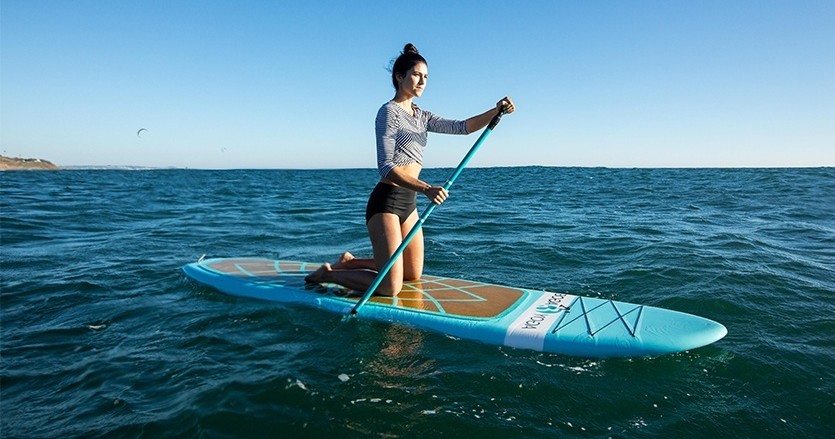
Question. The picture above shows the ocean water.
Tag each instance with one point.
(102, 336)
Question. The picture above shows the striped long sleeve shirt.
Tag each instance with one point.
(401, 137)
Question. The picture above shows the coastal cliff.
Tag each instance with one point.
(9, 163)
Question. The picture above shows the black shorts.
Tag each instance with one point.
(386, 198)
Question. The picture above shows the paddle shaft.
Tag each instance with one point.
(400, 249)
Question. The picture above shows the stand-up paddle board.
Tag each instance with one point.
(543, 321)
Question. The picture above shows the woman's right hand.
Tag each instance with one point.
(436, 194)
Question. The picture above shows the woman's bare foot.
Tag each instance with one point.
(320, 275)
(343, 261)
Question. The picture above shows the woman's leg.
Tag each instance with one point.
(413, 255)
(357, 280)
(348, 262)
(385, 233)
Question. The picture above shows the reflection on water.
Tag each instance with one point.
(399, 355)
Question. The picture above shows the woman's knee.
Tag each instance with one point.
(413, 274)
(389, 287)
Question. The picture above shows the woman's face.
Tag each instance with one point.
(414, 82)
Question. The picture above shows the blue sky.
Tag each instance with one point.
(296, 84)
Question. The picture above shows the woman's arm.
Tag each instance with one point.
(404, 176)
(476, 123)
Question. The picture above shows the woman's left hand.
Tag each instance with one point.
(506, 105)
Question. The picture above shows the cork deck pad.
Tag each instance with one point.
(431, 294)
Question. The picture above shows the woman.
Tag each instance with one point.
(391, 212)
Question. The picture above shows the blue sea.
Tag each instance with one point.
(102, 335)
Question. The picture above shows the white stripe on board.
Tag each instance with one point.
(529, 329)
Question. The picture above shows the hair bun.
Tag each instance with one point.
(410, 48)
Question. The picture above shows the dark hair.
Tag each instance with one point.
(408, 59)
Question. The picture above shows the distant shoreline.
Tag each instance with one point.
(36, 164)
(17, 163)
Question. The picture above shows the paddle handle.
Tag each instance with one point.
(402, 247)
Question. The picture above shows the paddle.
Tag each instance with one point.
(426, 213)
